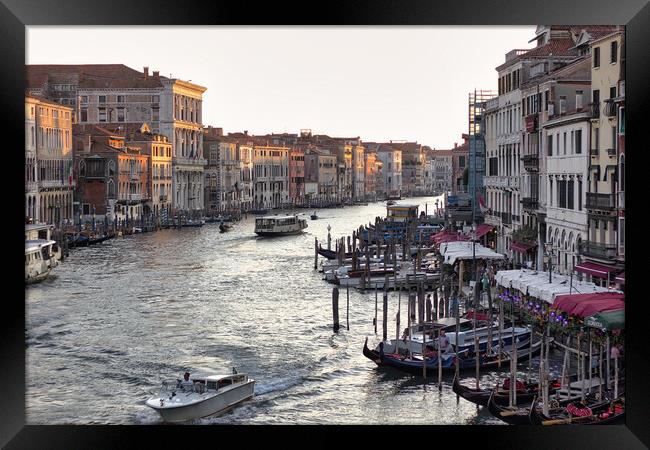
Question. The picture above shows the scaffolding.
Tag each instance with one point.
(476, 111)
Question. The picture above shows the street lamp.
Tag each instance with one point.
(549, 253)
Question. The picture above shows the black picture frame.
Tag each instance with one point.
(16, 14)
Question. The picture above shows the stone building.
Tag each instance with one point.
(296, 176)
(601, 256)
(391, 159)
(112, 177)
(49, 183)
(114, 93)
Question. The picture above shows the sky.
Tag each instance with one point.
(378, 83)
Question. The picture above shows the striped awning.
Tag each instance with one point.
(596, 270)
(521, 248)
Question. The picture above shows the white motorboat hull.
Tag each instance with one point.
(212, 403)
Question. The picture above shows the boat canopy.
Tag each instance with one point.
(36, 244)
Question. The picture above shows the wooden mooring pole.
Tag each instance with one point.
(347, 312)
(385, 318)
(335, 308)
(315, 253)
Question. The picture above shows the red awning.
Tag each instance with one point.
(521, 248)
(449, 236)
(483, 229)
(585, 305)
(595, 270)
(620, 278)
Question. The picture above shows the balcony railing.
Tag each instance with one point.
(595, 110)
(593, 152)
(610, 108)
(596, 250)
(611, 151)
(531, 163)
(603, 202)
(529, 203)
(506, 218)
(163, 198)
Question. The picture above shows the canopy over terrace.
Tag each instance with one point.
(536, 284)
(454, 251)
(585, 305)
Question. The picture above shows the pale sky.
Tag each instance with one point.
(379, 83)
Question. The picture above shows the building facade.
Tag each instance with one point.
(49, 183)
(602, 244)
(296, 176)
(112, 178)
(391, 160)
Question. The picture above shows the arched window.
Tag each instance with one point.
(111, 189)
(550, 234)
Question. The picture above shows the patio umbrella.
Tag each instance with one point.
(607, 320)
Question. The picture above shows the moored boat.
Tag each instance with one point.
(39, 260)
(412, 363)
(224, 226)
(202, 396)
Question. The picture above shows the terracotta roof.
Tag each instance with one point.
(93, 130)
(91, 75)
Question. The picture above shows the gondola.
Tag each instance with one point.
(314, 216)
(223, 227)
(100, 239)
(513, 416)
(502, 395)
(77, 240)
(331, 254)
(588, 413)
(466, 360)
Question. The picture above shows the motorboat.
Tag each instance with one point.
(193, 223)
(314, 216)
(202, 396)
(279, 225)
(225, 226)
(39, 260)
(35, 231)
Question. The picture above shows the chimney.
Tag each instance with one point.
(245, 132)
(455, 144)
(156, 74)
(146, 71)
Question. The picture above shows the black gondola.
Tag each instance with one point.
(97, 240)
(331, 254)
(466, 361)
(598, 413)
(513, 416)
(501, 397)
(223, 227)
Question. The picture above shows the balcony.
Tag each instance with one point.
(611, 151)
(162, 198)
(593, 152)
(531, 163)
(506, 218)
(134, 176)
(603, 202)
(594, 108)
(529, 203)
(600, 251)
(610, 108)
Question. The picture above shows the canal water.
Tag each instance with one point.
(119, 317)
